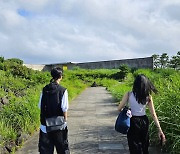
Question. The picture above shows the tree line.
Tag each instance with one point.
(164, 61)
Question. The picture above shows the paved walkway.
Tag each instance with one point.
(91, 126)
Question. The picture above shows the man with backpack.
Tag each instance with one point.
(53, 116)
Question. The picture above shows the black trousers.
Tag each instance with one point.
(138, 136)
(57, 139)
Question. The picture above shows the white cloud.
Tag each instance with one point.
(47, 31)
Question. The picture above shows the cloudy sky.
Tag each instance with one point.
(52, 31)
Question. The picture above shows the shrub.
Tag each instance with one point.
(1, 59)
(122, 74)
(15, 60)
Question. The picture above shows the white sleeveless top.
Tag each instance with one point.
(136, 108)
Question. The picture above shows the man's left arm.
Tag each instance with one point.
(65, 104)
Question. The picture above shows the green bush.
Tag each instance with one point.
(1, 66)
(15, 60)
(1, 59)
(122, 73)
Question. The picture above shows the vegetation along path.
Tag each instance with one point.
(91, 126)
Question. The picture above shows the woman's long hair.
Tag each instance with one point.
(142, 88)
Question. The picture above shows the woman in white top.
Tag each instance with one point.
(139, 98)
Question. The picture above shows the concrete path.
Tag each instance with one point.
(91, 126)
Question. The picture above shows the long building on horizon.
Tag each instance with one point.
(146, 62)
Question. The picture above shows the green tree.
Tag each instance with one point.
(15, 60)
(122, 73)
(164, 59)
(156, 60)
(175, 61)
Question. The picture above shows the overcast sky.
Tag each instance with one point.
(55, 31)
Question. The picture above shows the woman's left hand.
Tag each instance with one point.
(162, 137)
